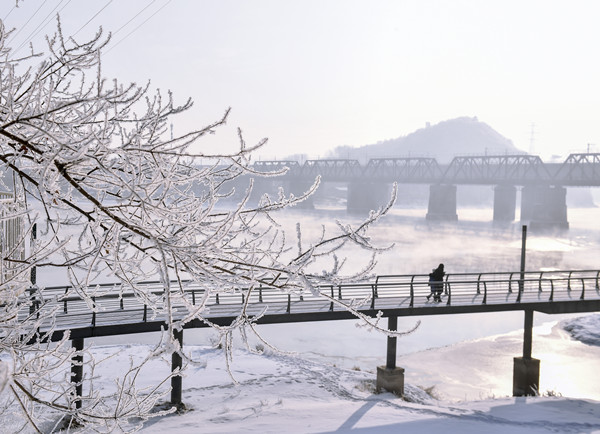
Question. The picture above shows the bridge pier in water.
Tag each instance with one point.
(505, 203)
(442, 202)
(526, 370)
(390, 377)
(366, 196)
(544, 206)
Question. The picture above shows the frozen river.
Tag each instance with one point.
(472, 244)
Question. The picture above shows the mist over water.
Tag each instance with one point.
(473, 244)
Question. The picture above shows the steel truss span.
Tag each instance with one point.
(521, 169)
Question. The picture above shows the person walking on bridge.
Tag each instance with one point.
(436, 279)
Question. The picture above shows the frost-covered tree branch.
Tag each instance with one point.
(92, 163)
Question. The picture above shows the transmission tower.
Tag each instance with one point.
(532, 139)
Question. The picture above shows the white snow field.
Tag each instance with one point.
(460, 388)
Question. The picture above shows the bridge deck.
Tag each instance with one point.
(115, 310)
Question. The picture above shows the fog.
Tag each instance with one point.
(472, 244)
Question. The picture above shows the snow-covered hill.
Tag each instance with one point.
(443, 141)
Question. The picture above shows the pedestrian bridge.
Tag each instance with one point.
(114, 309)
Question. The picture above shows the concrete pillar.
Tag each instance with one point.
(544, 207)
(366, 196)
(176, 363)
(390, 377)
(442, 202)
(391, 380)
(77, 371)
(526, 376)
(526, 370)
(505, 202)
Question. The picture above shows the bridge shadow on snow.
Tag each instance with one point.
(523, 415)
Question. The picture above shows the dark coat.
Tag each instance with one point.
(438, 274)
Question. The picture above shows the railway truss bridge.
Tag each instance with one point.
(543, 185)
(114, 310)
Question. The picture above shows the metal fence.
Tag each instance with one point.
(12, 245)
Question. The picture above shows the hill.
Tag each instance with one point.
(443, 141)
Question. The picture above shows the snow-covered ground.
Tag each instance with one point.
(458, 367)
(462, 388)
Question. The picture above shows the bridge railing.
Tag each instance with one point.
(112, 301)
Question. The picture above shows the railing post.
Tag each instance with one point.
(193, 297)
(484, 292)
(478, 281)
(332, 296)
(260, 299)
(289, 304)
(412, 292)
(582, 289)
(551, 289)
(373, 296)
(540, 282)
(176, 364)
(94, 312)
(77, 371)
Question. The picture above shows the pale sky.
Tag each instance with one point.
(313, 75)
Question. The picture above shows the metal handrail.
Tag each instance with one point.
(379, 290)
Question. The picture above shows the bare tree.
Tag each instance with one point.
(92, 163)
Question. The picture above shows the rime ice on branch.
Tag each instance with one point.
(92, 162)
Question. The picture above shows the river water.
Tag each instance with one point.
(472, 244)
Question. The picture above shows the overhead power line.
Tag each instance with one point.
(140, 25)
(41, 26)
(23, 26)
(134, 17)
(9, 12)
(95, 15)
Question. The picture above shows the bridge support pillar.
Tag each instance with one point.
(505, 200)
(442, 202)
(545, 207)
(176, 364)
(390, 377)
(526, 370)
(366, 196)
(77, 371)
